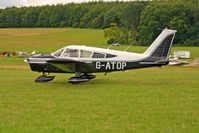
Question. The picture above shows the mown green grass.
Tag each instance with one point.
(147, 100)
(46, 40)
(144, 100)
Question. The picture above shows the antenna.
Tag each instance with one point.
(129, 46)
(111, 44)
(116, 41)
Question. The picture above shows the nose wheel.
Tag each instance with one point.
(44, 78)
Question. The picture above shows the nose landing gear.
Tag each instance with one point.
(44, 78)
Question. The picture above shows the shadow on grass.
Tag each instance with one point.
(96, 82)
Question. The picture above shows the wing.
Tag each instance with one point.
(69, 65)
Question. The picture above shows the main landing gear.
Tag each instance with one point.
(80, 78)
(44, 78)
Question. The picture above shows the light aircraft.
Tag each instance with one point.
(83, 60)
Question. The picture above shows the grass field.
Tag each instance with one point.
(162, 100)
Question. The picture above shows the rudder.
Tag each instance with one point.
(160, 48)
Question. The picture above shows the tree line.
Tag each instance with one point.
(124, 22)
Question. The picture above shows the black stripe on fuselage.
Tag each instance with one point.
(45, 67)
(98, 66)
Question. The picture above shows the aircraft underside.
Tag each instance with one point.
(48, 68)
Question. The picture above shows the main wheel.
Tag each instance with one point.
(88, 76)
(75, 80)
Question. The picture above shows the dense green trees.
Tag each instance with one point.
(176, 15)
(134, 21)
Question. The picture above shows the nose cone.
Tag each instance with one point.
(39, 63)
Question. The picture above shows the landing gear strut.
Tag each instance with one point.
(44, 78)
(81, 78)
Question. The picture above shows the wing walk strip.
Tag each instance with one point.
(148, 63)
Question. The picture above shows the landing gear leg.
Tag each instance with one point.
(77, 74)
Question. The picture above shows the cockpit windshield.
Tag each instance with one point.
(58, 52)
(66, 53)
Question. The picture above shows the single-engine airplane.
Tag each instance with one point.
(83, 60)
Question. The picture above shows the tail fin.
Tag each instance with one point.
(160, 48)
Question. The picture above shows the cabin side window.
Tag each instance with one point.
(85, 54)
(98, 55)
(110, 55)
(71, 53)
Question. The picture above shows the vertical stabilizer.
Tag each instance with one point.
(160, 48)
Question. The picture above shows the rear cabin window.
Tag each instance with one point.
(98, 55)
(71, 53)
(110, 56)
(85, 54)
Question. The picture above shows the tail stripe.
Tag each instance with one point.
(160, 48)
(163, 49)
